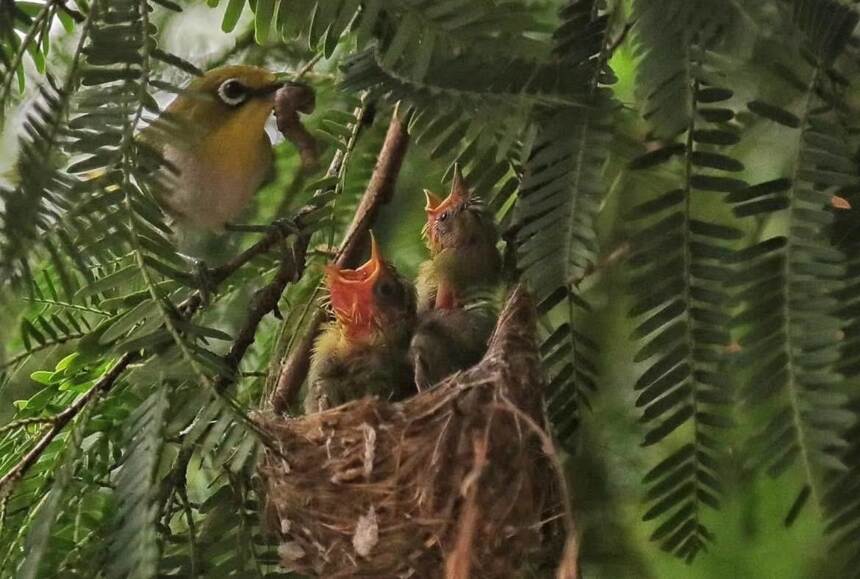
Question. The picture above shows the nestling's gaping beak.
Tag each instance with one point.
(351, 290)
(458, 195)
(432, 201)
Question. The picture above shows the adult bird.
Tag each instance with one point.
(464, 269)
(213, 142)
(364, 350)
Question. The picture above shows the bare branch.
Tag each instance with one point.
(379, 191)
(265, 300)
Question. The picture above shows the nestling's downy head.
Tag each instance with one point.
(458, 221)
(370, 300)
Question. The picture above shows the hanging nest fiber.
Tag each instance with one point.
(458, 481)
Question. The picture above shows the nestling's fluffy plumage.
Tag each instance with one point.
(364, 350)
(461, 236)
(464, 263)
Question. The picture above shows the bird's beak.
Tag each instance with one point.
(432, 201)
(459, 194)
(375, 253)
(459, 191)
(277, 81)
(373, 266)
(268, 90)
(351, 290)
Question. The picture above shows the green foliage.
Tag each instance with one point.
(133, 550)
(45, 514)
(680, 200)
(558, 202)
(25, 33)
(682, 265)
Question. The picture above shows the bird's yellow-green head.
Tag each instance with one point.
(370, 300)
(232, 99)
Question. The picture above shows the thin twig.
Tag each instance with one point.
(68, 306)
(605, 263)
(217, 275)
(192, 530)
(297, 184)
(176, 478)
(15, 424)
(265, 301)
(14, 360)
(619, 40)
(379, 191)
(309, 65)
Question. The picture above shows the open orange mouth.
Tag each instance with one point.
(351, 291)
(435, 207)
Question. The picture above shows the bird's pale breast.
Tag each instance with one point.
(219, 175)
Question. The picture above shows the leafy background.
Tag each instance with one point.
(675, 180)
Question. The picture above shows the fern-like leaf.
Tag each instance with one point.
(682, 266)
(790, 285)
(557, 205)
(33, 21)
(666, 32)
(134, 547)
(35, 205)
(38, 538)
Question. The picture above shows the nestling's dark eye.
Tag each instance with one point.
(232, 92)
(386, 289)
(443, 216)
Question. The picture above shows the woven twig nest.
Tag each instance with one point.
(457, 481)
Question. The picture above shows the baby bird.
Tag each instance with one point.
(364, 350)
(461, 236)
(464, 262)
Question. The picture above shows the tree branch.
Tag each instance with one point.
(63, 418)
(266, 300)
(379, 191)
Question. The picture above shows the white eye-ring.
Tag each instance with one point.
(232, 92)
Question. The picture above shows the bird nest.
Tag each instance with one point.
(458, 481)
